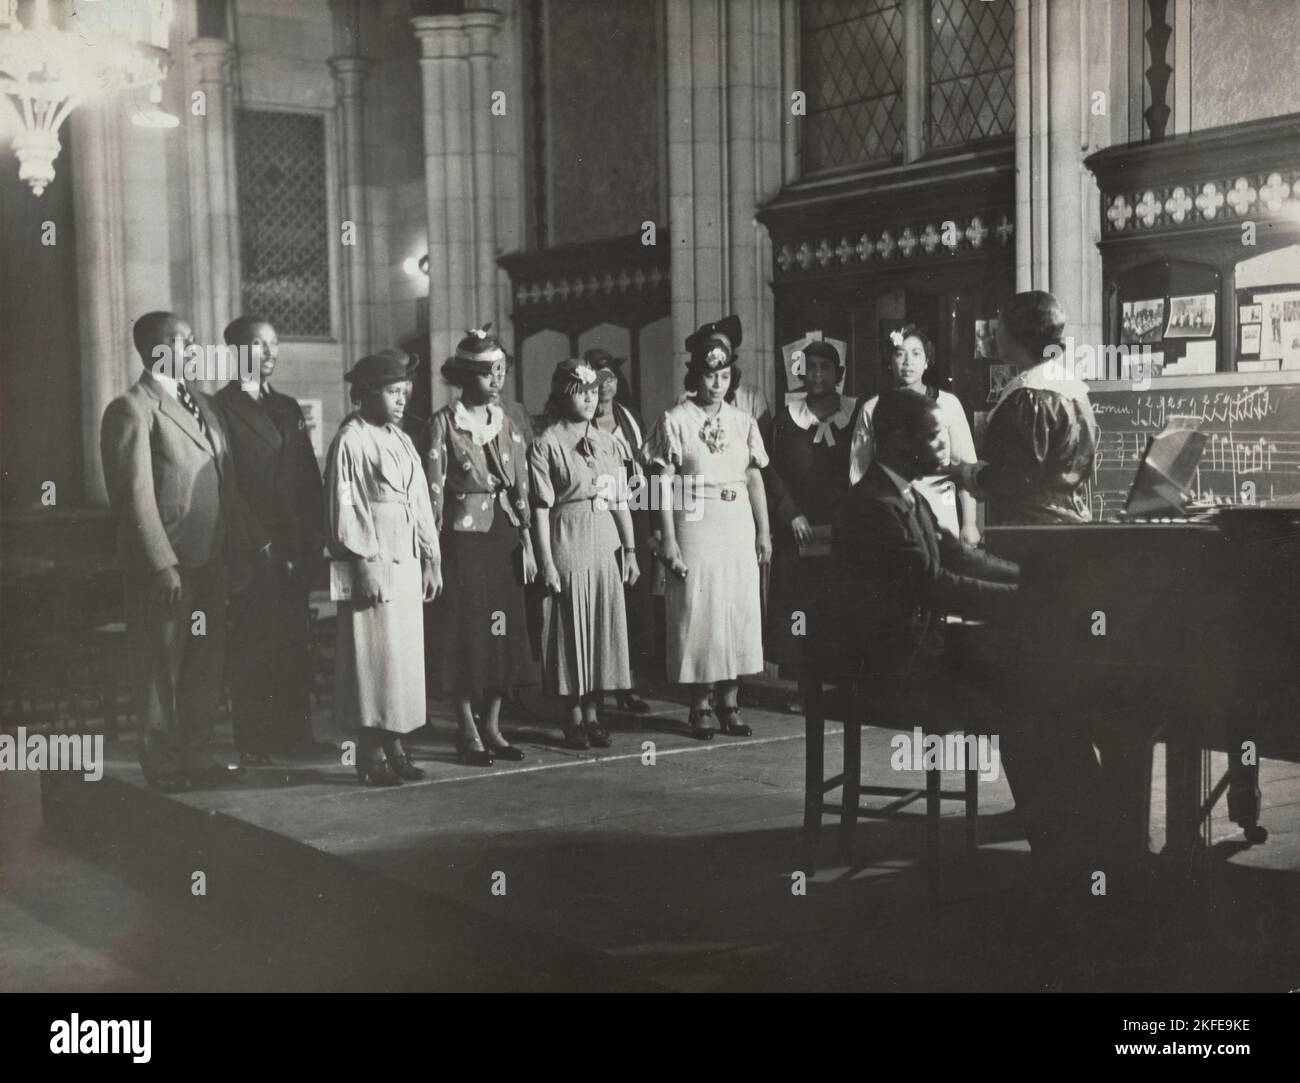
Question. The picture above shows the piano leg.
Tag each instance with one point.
(1126, 758)
(1182, 794)
(1244, 798)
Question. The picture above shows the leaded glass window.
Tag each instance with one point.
(284, 220)
(853, 72)
(972, 71)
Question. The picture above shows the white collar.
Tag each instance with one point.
(802, 415)
(1045, 376)
(481, 432)
(166, 383)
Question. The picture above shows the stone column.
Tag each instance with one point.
(448, 179)
(349, 82)
(1059, 67)
(217, 218)
(695, 139)
(754, 173)
(107, 357)
(232, 183)
(791, 150)
(510, 195)
(725, 157)
(480, 29)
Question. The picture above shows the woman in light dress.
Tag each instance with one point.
(911, 354)
(713, 519)
(586, 552)
(380, 522)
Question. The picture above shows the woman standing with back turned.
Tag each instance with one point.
(1042, 436)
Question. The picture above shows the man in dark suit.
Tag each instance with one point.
(903, 573)
(183, 535)
(277, 474)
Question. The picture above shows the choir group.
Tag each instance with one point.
(481, 556)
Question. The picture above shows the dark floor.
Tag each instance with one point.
(676, 875)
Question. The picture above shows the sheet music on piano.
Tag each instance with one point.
(1161, 487)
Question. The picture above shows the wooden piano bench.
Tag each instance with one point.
(817, 784)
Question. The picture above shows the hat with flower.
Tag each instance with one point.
(713, 346)
(572, 376)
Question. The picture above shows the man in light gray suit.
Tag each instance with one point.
(182, 532)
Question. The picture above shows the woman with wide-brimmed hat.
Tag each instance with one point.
(380, 522)
(478, 486)
(713, 518)
(586, 552)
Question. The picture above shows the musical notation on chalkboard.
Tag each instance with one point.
(1252, 448)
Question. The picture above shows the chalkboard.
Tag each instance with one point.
(1252, 427)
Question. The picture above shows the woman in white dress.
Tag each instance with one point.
(911, 354)
(379, 520)
(713, 518)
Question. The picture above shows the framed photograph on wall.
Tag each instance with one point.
(1250, 314)
(1142, 322)
(1191, 316)
(1250, 339)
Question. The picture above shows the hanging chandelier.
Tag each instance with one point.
(50, 62)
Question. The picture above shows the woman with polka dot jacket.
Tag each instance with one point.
(478, 485)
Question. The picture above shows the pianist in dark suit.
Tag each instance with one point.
(901, 573)
(277, 475)
(1042, 436)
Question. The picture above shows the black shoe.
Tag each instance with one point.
(381, 774)
(575, 737)
(504, 751)
(732, 726)
(473, 757)
(628, 701)
(700, 729)
(597, 735)
(404, 767)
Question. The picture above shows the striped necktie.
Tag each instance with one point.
(184, 397)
